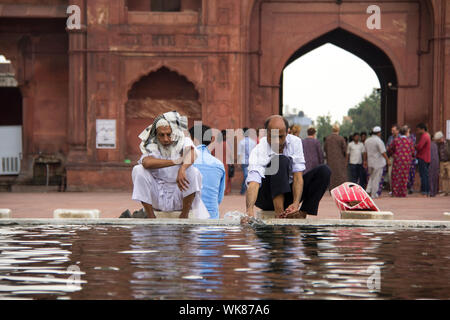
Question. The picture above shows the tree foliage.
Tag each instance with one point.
(323, 127)
(362, 117)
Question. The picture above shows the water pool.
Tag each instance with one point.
(223, 262)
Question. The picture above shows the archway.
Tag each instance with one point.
(158, 92)
(372, 55)
(10, 120)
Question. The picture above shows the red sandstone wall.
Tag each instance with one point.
(38, 51)
(233, 62)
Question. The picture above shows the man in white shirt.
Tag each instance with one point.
(376, 160)
(356, 159)
(245, 146)
(164, 178)
(275, 180)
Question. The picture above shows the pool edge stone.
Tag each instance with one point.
(76, 214)
(224, 222)
(5, 213)
(382, 215)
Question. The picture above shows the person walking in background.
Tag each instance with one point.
(312, 150)
(336, 150)
(356, 159)
(226, 157)
(365, 173)
(433, 173)
(245, 146)
(444, 161)
(392, 137)
(412, 169)
(295, 130)
(423, 157)
(401, 149)
(377, 159)
(363, 136)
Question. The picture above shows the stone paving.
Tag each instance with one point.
(112, 204)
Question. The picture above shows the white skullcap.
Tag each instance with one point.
(438, 135)
(162, 123)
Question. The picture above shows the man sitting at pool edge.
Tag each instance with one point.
(211, 168)
(164, 178)
(284, 189)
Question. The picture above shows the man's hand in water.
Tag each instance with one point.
(292, 208)
(293, 212)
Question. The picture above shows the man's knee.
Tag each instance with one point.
(281, 163)
(193, 174)
(324, 172)
(139, 173)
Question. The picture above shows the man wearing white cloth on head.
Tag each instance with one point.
(164, 178)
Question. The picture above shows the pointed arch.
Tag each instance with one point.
(376, 58)
(159, 91)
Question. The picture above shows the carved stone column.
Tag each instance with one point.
(76, 134)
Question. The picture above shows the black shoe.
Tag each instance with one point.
(141, 214)
(126, 214)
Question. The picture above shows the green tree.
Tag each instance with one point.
(323, 127)
(362, 117)
(347, 128)
(366, 114)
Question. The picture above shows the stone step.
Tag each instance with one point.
(76, 214)
(384, 215)
(171, 214)
(265, 215)
(32, 188)
(5, 214)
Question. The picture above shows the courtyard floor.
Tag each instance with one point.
(112, 204)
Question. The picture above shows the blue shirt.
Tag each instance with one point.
(213, 180)
(245, 146)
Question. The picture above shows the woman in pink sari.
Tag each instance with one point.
(402, 150)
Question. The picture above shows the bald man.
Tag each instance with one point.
(275, 180)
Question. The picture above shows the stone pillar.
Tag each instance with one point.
(437, 120)
(76, 132)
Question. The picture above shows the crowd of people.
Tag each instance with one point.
(376, 165)
(180, 171)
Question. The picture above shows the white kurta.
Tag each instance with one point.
(158, 187)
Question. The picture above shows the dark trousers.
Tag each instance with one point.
(423, 171)
(357, 174)
(245, 173)
(315, 183)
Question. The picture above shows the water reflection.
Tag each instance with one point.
(221, 262)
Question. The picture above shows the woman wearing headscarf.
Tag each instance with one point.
(401, 149)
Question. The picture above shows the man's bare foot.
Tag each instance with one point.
(184, 215)
(149, 210)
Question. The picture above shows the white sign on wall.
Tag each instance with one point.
(106, 133)
(448, 129)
